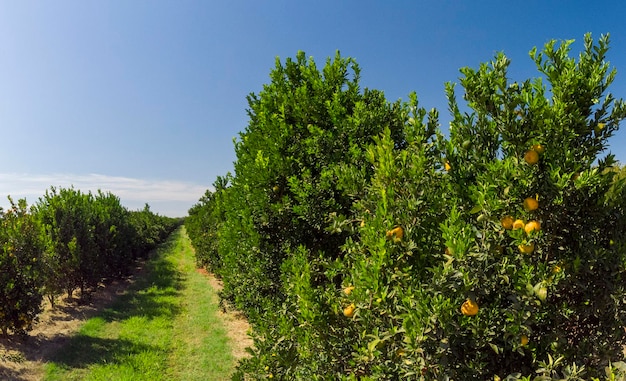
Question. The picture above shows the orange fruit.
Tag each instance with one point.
(469, 308)
(348, 290)
(531, 157)
(599, 127)
(349, 311)
(531, 204)
(527, 248)
(524, 340)
(447, 166)
(532, 226)
(507, 222)
(518, 224)
(538, 148)
(396, 233)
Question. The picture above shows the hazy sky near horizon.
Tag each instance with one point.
(143, 98)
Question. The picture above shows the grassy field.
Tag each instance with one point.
(166, 327)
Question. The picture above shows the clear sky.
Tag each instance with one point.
(144, 97)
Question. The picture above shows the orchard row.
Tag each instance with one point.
(68, 241)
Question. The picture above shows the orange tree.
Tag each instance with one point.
(21, 279)
(148, 230)
(304, 127)
(203, 224)
(497, 251)
(73, 259)
(520, 254)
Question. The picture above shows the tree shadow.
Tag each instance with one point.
(8, 374)
(151, 296)
(82, 351)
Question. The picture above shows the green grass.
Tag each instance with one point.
(166, 327)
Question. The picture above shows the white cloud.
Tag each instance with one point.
(170, 198)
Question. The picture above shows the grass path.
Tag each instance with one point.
(166, 327)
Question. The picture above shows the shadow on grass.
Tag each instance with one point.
(154, 294)
(82, 351)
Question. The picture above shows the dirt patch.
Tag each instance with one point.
(22, 358)
(235, 322)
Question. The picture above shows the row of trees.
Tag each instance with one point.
(68, 240)
(364, 244)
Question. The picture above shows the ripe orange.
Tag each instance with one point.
(447, 166)
(531, 157)
(538, 148)
(599, 127)
(396, 233)
(507, 222)
(532, 226)
(531, 204)
(524, 340)
(469, 308)
(348, 290)
(518, 224)
(349, 311)
(527, 248)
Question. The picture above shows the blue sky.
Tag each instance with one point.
(144, 97)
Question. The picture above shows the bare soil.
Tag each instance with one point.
(23, 357)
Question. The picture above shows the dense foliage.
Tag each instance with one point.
(68, 240)
(305, 128)
(364, 244)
